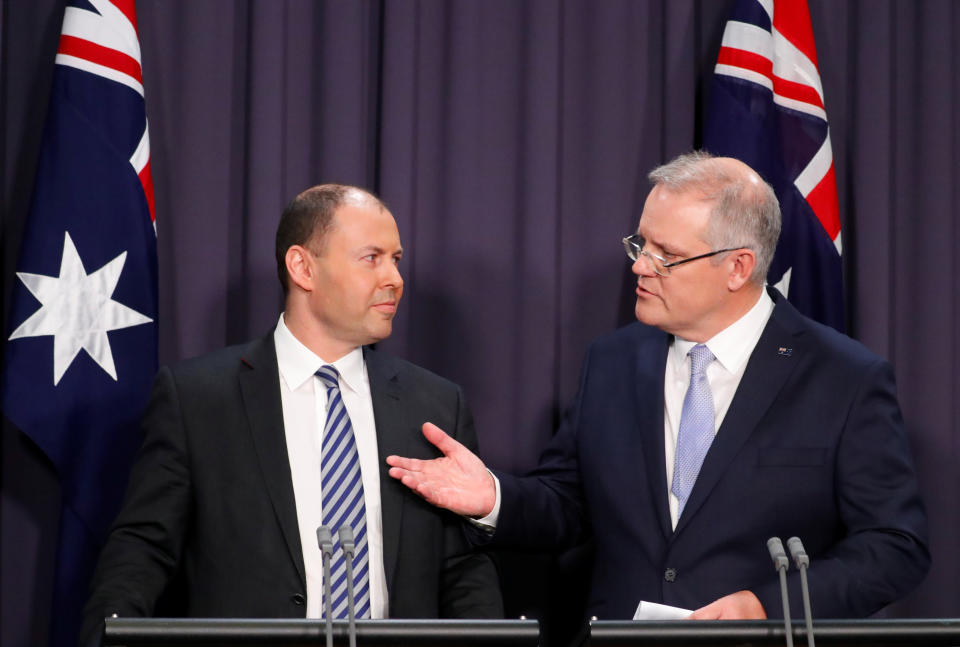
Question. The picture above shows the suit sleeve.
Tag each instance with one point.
(883, 553)
(469, 587)
(143, 549)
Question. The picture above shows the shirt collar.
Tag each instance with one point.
(297, 363)
(733, 345)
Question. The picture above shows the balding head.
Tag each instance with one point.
(309, 218)
(745, 210)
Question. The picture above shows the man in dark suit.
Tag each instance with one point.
(248, 450)
(721, 419)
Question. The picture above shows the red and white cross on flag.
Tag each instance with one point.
(767, 109)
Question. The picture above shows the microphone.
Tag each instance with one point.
(802, 560)
(348, 546)
(781, 563)
(325, 540)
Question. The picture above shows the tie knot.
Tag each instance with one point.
(700, 358)
(329, 376)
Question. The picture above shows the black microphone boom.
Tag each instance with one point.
(781, 563)
(325, 540)
(802, 560)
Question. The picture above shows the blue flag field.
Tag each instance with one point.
(767, 109)
(81, 348)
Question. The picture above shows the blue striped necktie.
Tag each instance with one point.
(342, 499)
(696, 427)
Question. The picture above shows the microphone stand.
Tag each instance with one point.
(802, 560)
(348, 546)
(325, 540)
(781, 563)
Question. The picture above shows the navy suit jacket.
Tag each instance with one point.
(813, 445)
(211, 499)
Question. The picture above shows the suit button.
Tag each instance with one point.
(298, 599)
(670, 574)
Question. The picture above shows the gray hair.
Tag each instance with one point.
(745, 212)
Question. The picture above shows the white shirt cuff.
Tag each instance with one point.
(489, 523)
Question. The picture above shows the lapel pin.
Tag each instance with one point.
(785, 352)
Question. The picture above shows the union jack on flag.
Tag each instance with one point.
(81, 348)
(767, 109)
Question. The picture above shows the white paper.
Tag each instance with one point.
(654, 611)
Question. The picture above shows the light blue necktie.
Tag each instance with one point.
(696, 426)
(342, 499)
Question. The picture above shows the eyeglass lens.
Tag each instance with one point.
(634, 247)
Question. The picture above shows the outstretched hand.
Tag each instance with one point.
(457, 481)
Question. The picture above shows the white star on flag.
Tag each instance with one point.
(78, 311)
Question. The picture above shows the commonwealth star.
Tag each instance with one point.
(77, 309)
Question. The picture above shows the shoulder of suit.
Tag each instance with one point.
(631, 336)
(227, 360)
(823, 340)
(392, 366)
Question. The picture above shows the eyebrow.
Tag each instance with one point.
(378, 250)
(666, 248)
(655, 242)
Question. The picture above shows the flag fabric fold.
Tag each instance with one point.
(767, 109)
(81, 348)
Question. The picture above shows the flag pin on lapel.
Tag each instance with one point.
(785, 352)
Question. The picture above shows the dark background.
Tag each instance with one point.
(511, 140)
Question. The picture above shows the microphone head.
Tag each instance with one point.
(777, 554)
(800, 557)
(325, 540)
(346, 538)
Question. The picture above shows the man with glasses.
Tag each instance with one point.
(724, 417)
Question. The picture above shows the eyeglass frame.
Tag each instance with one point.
(630, 245)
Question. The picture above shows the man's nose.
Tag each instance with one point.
(393, 277)
(643, 266)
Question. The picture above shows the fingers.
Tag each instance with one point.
(398, 472)
(408, 464)
(414, 484)
(439, 439)
(410, 479)
(421, 487)
(742, 605)
(708, 612)
(457, 481)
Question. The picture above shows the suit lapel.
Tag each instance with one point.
(649, 382)
(774, 358)
(389, 416)
(260, 387)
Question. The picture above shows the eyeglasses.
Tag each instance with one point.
(634, 246)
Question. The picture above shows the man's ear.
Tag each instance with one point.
(300, 267)
(744, 260)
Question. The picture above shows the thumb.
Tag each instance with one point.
(440, 439)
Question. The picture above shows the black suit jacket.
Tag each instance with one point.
(813, 445)
(211, 499)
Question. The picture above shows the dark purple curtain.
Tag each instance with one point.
(511, 141)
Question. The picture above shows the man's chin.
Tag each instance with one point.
(380, 331)
(645, 313)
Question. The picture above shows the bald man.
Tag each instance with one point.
(720, 419)
(251, 448)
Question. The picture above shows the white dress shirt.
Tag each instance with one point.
(304, 402)
(731, 347)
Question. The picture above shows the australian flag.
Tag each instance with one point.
(81, 348)
(767, 109)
